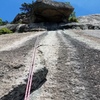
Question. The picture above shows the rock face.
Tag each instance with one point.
(94, 19)
(51, 11)
(18, 92)
(11, 27)
(17, 27)
(83, 26)
(46, 11)
(22, 18)
(84, 22)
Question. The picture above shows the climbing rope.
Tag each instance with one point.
(29, 82)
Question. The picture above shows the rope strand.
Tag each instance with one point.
(31, 70)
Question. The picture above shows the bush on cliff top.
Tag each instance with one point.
(5, 31)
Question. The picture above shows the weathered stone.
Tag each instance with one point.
(17, 27)
(82, 26)
(18, 91)
(43, 26)
(45, 11)
(51, 11)
(84, 22)
(73, 26)
(22, 28)
(22, 18)
(93, 19)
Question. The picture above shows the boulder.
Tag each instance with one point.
(51, 11)
(45, 11)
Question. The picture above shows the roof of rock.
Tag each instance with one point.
(51, 11)
(56, 4)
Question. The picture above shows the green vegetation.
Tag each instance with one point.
(5, 31)
(26, 7)
(0, 21)
(3, 22)
(72, 17)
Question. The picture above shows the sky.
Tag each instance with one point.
(10, 8)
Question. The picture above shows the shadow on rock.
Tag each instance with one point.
(18, 92)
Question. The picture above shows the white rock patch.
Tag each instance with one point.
(18, 43)
(90, 43)
(49, 47)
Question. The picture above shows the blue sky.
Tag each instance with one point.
(10, 8)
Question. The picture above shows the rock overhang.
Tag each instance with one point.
(51, 11)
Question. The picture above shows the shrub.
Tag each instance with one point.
(3, 22)
(72, 19)
(0, 21)
(5, 31)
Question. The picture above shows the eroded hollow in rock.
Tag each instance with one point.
(18, 92)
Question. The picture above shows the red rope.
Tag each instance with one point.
(29, 83)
